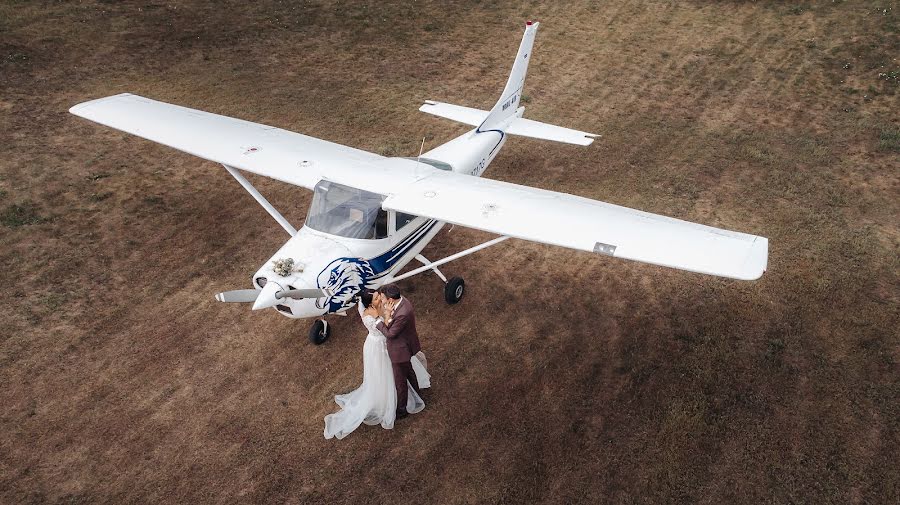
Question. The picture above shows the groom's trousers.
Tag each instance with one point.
(404, 372)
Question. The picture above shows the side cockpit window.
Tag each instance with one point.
(404, 219)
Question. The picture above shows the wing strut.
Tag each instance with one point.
(261, 200)
(448, 259)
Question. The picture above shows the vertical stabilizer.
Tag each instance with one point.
(512, 93)
(506, 117)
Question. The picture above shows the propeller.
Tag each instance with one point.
(238, 295)
(299, 294)
(269, 295)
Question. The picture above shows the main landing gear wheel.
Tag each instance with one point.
(454, 290)
(319, 332)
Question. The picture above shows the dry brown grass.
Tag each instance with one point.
(563, 377)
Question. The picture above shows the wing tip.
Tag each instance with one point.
(757, 261)
(79, 109)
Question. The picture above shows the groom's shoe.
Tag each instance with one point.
(401, 414)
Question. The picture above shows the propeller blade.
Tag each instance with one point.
(238, 295)
(298, 294)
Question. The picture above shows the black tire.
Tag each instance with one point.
(454, 290)
(319, 332)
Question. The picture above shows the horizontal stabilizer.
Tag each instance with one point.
(466, 115)
(537, 130)
(515, 125)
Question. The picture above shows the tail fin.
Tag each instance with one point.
(512, 93)
(506, 116)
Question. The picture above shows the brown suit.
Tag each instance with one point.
(402, 344)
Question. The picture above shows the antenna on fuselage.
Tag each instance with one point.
(422, 148)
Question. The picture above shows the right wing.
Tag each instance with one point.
(265, 150)
(579, 223)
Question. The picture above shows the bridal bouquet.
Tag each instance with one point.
(283, 266)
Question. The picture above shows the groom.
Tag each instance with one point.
(399, 326)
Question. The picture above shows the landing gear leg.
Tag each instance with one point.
(319, 332)
(454, 289)
(423, 260)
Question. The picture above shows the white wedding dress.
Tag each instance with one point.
(375, 401)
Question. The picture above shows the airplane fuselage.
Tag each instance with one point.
(343, 264)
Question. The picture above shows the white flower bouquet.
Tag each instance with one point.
(284, 266)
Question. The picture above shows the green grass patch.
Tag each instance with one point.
(17, 215)
(891, 76)
(889, 140)
(16, 57)
(153, 200)
(53, 301)
(774, 348)
(99, 197)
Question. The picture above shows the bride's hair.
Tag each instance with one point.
(366, 297)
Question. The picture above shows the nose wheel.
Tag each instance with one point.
(319, 332)
(454, 290)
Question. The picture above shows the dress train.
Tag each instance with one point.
(375, 400)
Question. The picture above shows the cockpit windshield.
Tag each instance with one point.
(347, 212)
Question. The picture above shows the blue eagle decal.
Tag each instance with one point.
(345, 278)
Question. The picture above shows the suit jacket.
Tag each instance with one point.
(402, 338)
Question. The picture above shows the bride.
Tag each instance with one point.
(375, 401)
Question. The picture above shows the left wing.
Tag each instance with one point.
(257, 148)
(579, 223)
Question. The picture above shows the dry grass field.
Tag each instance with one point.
(563, 377)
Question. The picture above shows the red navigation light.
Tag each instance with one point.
(527, 23)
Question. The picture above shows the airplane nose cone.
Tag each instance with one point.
(267, 296)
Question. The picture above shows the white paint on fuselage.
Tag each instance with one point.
(470, 153)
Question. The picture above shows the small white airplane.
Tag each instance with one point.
(371, 215)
